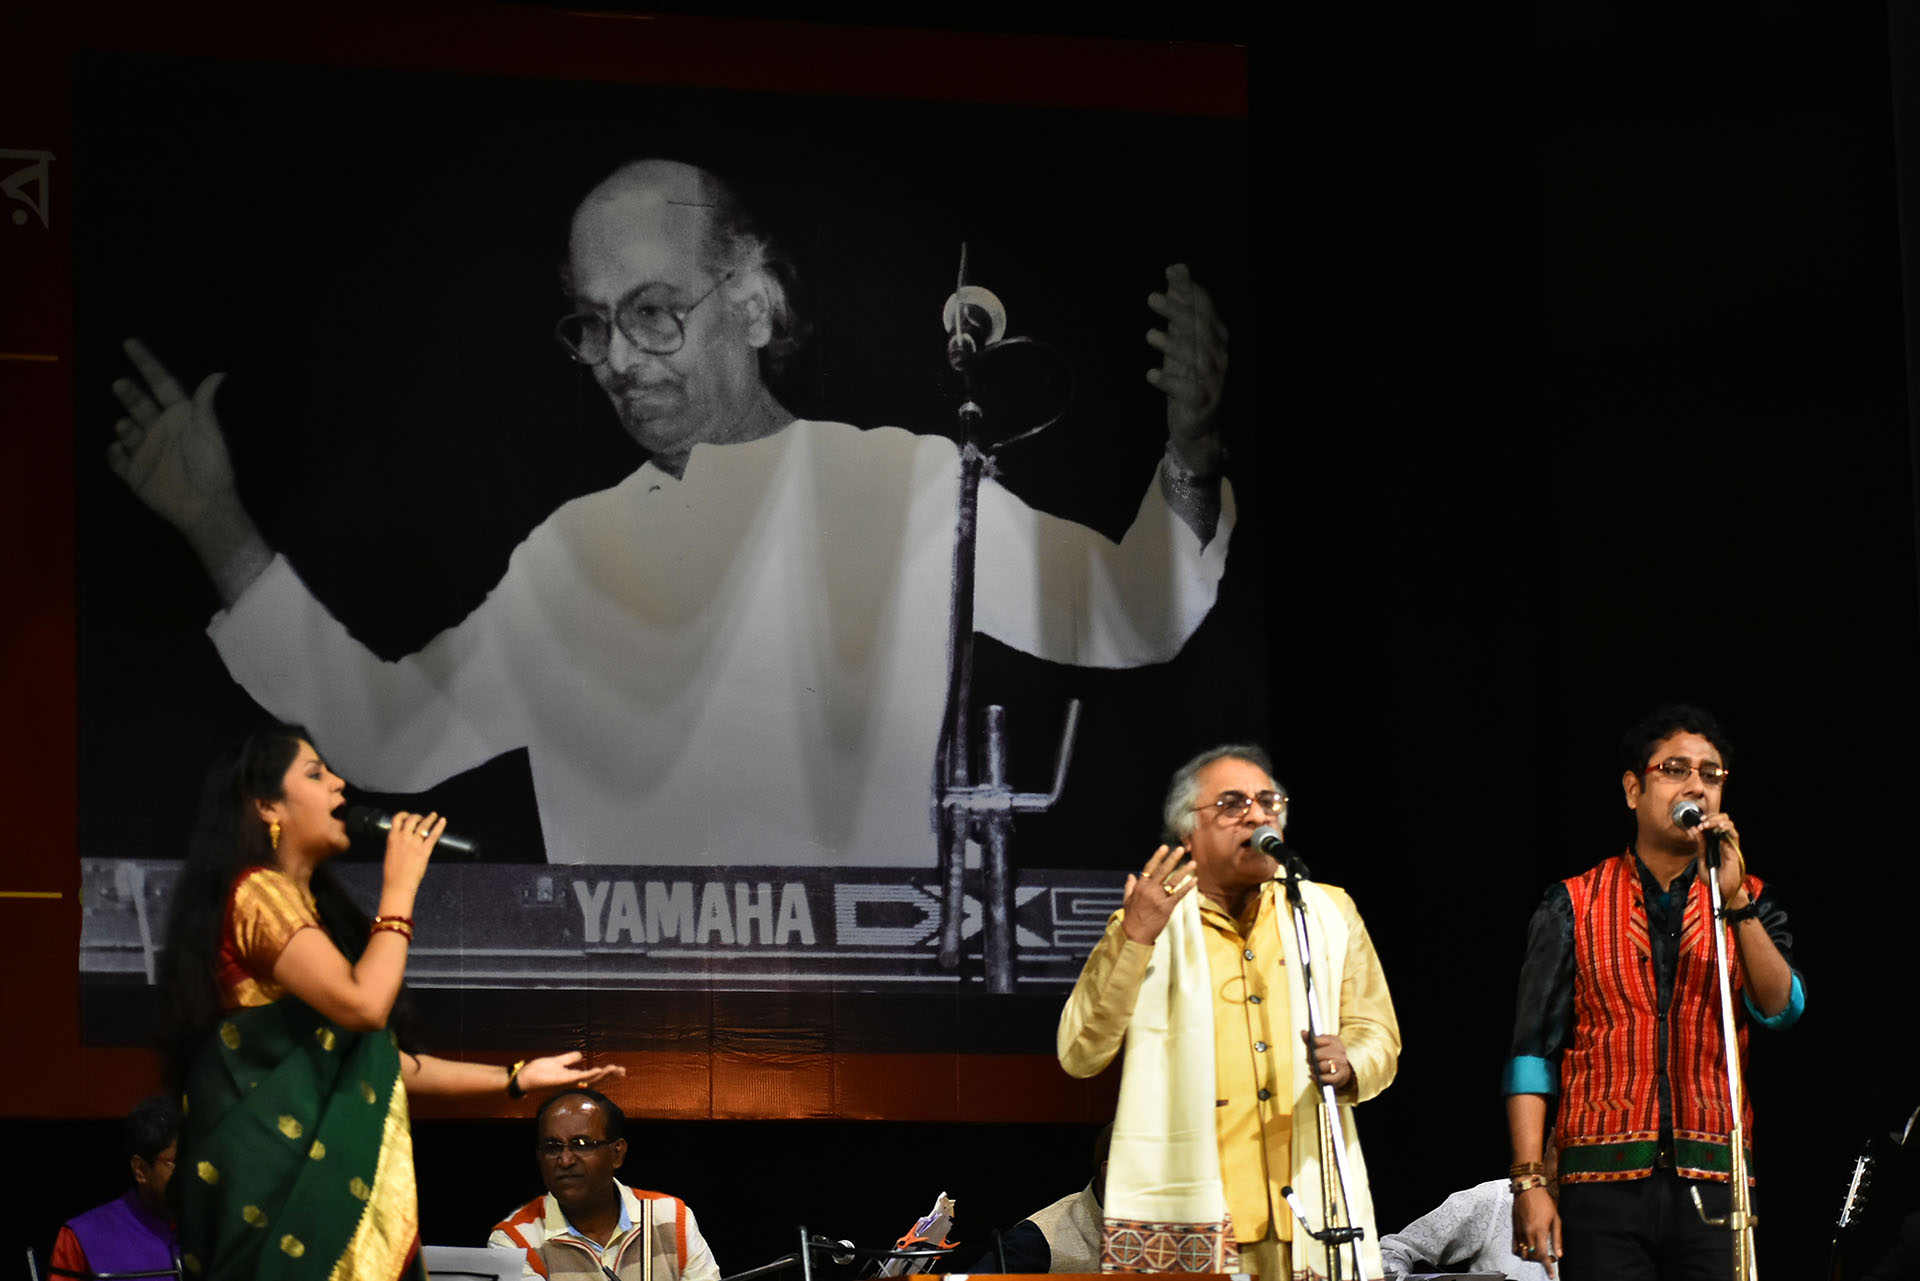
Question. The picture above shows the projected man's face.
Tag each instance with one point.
(637, 251)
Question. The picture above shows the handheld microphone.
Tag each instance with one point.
(364, 820)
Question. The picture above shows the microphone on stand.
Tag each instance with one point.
(1329, 1235)
(974, 319)
(1688, 814)
(1292, 1199)
(364, 820)
(844, 1255)
(1268, 841)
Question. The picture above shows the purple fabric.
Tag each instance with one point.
(124, 1236)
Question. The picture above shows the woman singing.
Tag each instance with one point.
(295, 1159)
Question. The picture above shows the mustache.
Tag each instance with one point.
(632, 381)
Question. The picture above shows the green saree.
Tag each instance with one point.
(296, 1163)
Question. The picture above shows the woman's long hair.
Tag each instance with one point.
(229, 837)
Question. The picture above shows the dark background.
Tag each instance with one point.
(1580, 342)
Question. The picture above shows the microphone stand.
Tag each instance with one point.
(780, 1264)
(962, 806)
(1739, 1219)
(1340, 1237)
(842, 1253)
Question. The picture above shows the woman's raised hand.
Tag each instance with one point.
(410, 843)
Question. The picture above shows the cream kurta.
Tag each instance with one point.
(1257, 1047)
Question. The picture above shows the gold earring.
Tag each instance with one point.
(273, 835)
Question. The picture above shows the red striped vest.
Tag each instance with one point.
(1609, 1124)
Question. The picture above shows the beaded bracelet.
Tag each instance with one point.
(514, 1089)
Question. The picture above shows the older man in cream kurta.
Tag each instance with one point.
(1234, 939)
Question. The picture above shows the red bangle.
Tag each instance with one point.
(404, 920)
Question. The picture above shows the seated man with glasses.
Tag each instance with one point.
(1619, 1015)
(1221, 1083)
(134, 1231)
(764, 597)
(590, 1226)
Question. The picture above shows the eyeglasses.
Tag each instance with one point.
(1231, 807)
(650, 325)
(1713, 775)
(579, 1145)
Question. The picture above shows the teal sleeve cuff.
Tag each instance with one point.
(1796, 1006)
(1526, 1074)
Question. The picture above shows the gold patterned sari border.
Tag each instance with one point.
(388, 1230)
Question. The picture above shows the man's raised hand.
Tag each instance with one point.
(1192, 370)
(1152, 894)
(170, 451)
